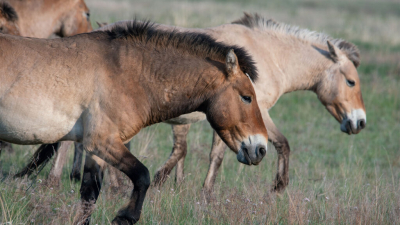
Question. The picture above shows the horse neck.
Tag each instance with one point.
(306, 67)
(180, 89)
(284, 62)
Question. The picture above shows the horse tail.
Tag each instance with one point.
(39, 160)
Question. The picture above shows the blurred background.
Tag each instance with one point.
(334, 178)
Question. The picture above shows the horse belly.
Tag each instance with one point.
(34, 124)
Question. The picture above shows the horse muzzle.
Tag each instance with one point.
(354, 122)
(252, 150)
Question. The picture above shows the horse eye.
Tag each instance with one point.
(350, 83)
(246, 99)
(88, 14)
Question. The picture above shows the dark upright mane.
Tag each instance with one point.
(8, 12)
(257, 21)
(197, 44)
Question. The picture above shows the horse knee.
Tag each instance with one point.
(217, 155)
(142, 180)
(282, 146)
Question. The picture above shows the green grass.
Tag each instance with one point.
(334, 178)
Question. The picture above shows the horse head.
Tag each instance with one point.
(340, 90)
(76, 20)
(234, 114)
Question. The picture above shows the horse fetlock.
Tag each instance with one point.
(123, 220)
(280, 183)
(207, 195)
(126, 217)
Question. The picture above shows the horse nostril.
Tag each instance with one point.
(245, 151)
(262, 151)
(361, 124)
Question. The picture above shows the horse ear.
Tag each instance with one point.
(332, 51)
(231, 63)
(101, 24)
(351, 52)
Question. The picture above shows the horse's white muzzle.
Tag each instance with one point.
(252, 150)
(354, 122)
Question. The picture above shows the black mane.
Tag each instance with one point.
(8, 12)
(193, 43)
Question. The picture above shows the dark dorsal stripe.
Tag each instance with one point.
(197, 44)
(8, 12)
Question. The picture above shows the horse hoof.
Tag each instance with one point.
(122, 220)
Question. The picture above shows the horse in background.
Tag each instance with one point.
(49, 18)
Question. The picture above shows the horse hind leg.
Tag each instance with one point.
(90, 188)
(75, 174)
(39, 159)
(54, 177)
(178, 153)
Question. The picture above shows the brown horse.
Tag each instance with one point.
(8, 19)
(299, 59)
(44, 18)
(101, 88)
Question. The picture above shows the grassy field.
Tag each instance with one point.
(334, 178)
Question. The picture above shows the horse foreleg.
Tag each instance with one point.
(116, 177)
(282, 175)
(216, 157)
(117, 155)
(90, 188)
(178, 153)
(282, 147)
(56, 170)
(76, 167)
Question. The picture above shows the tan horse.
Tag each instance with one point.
(8, 19)
(101, 88)
(44, 18)
(289, 59)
